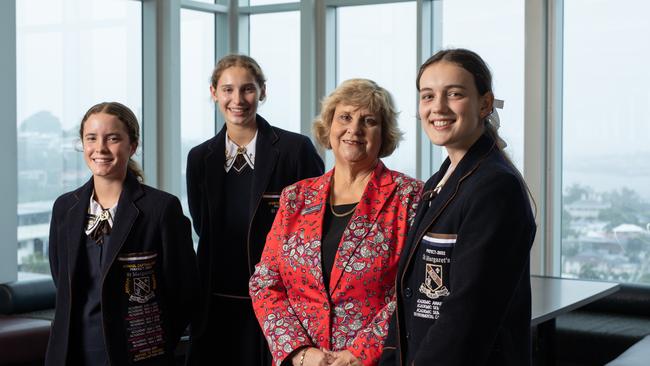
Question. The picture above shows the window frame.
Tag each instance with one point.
(161, 97)
(161, 71)
(8, 145)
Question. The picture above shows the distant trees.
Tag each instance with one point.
(575, 192)
(35, 263)
(42, 122)
(567, 231)
(627, 207)
(611, 209)
(48, 162)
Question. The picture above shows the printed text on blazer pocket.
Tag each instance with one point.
(272, 201)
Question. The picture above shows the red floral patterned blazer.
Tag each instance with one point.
(287, 289)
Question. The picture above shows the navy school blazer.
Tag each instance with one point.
(282, 158)
(150, 282)
(463, 284)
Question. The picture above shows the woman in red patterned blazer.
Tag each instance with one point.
(324, 289)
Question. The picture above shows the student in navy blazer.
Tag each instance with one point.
(463, 286)
(121, 257)
(234, 182)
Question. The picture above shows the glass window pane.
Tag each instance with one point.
(605, 149)
(269, 2)
(197, 107)
(378, 42)
(71, 54)
(494, 30)
(275, 45)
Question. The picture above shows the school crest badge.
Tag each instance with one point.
(140, 282)
(433, 287)
(142, 289)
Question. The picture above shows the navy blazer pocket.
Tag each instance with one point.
(440, 240)
(271, 201)
(434, 261)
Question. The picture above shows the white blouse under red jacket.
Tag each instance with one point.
(287, 290)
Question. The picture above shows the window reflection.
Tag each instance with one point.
(197, 107)
(378, 42)
(71, 54)
(494, 30)
(606, 128)
(275, 45)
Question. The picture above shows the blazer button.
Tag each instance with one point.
(408, 292)
(408, 335)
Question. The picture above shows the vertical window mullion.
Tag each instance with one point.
(429, 18)
(8, 143)
(535, 129)
(554, 142)
(149, 91)
(169, 102)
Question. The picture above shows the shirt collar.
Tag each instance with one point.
(95, 210)
(231, 152)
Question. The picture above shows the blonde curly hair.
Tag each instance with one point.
(361, 93)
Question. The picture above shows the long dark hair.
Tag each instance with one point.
(130, 121)
(473, 63)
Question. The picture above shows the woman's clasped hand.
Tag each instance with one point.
(322, 357)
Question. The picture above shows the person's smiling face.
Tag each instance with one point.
(238, 95)
(450, 107)
(355, 135)
(106, 146)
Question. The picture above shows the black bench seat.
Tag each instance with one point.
(601, 331)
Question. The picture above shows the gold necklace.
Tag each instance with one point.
(341, 214)
(332, 193)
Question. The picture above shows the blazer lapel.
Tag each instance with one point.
(266, 156)
(313, 213)
(433, 208)
(127, 213)
(377, 191)
(431, 204)
(214, 174)
(76, 219)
